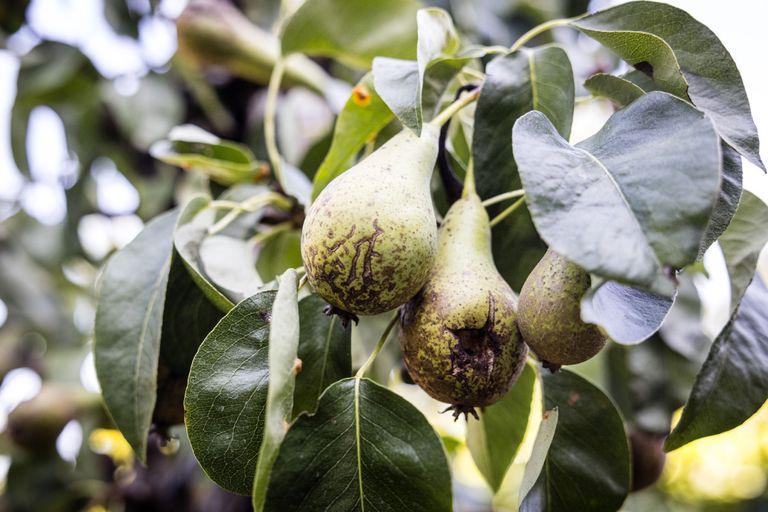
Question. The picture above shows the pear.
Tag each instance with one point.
(370, 239)
(458, 336)
(549, 313)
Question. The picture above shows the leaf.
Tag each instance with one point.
(649, 31)
(733, 383)
(742, 242)
(227, 392)
(587, 466)
(225, 162)
(283, 347)
(728, 200)
(495, 439)
(128, 328)
(364, 115)
(628, 315)
(279, 253)
(325, 353)
(187, 239)
(230, 263)
(541, 445)
(353, 32)
(365, 447)
(403, 84)
(617, 89)
(683, 330)
(620, 204)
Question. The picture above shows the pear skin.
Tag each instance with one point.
(549, 313)
(370, 239)
(458, 336)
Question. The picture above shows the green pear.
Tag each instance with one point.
(214, 33)
(370, 239)
(458, 336)
(549, 313)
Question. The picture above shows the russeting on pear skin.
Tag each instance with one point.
(369, 240)
(458, 336)
(549, 313)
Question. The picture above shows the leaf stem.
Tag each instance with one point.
(249, 205)
(503, 197)
(270, 110)
(454, 107)
(377, 349)
(503, 215)
(538, 29)
(262, 237)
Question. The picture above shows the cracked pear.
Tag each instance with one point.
(370, 239)
(458, 335)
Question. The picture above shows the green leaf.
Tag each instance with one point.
(728, 200)
(620, 204)
(538, 458)
(364, 448)
(363, 116)
(230, 263)
(404, 84)
(671, 41)
(325, 353)
(128, 328)
(227, 392)
(617, 89)
(283, 347)
(587, 466)
(225, 162)
(495, 439)
(353, 32)
(733, 383)
(742, 242)
(279, 253)
(628, 315)
(516, 83)
(187, 238)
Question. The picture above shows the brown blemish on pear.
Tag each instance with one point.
(370, 239)
(549, 313)
(458, 335)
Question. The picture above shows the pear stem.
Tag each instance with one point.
(503, 215)
(503, 197)
(377, 349)
(538, 29)
(454, 107)
(270, 110)
(469, 181)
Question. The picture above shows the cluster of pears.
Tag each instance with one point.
(370, 244)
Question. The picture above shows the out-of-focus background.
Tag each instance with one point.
(86, 86)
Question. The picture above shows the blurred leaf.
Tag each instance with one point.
(325, 353)
(628, 315)
(279, 253)
(661, 37)
(128, 328)
(363, 116)
(353, 32)
(617, 89)
(742, 242)
(496, 438)
(216, 34)
(225, 162)
(187, 238)
(364, 447)
(587, 466)
(630, 213)
(283, 347)
(149, 114)
(12, 15)
(227, 393)
(733, 383)
(683, 330)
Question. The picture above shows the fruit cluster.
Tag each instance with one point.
(370, 244)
